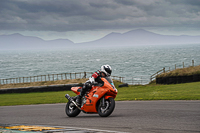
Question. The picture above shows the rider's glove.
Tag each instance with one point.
(91, 79)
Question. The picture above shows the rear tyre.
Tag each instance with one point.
(108, 109)
(71, 110)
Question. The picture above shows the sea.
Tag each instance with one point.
(134, 62)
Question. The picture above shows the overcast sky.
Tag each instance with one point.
(86, 20)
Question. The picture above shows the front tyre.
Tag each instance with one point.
(108, 109)
(71, 110)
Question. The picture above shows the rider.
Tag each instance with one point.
(96, 77)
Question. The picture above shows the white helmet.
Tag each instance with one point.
(106, 69)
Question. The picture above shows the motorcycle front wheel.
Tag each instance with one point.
(71, 110)
(108, 109)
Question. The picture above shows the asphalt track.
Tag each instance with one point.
(128, 116)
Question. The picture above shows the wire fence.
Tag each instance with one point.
(49, 77)
(64, 76)
(164, 70)
(138, 80)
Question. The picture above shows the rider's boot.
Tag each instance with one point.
(78, 100)
(86, 87)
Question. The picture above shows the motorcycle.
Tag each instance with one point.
(100, 99)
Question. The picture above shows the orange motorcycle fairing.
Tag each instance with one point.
(76, 90)
(92, 98)
(95, 94)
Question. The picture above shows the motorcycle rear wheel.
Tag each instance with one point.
(108, 109)
(71, 110)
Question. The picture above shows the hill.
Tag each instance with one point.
(131, 38)
(18, 41)
(142, 37)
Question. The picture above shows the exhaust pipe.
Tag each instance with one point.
(71, 100)
(68, 97)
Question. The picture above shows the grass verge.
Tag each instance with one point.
(182, 72)
(187, 91)
(43, 83)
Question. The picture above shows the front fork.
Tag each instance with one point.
(103, 101)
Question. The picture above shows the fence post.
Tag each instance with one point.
(175, 66)
(183, 64)
(121, 79)
(61, 77)
(192, 62)
(132, 80)
(49, 77)
(164, 70)
(84, 77)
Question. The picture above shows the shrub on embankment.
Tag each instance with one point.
(183, 75)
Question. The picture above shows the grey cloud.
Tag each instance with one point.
(126, 2)
(186, 2)
(72, 15)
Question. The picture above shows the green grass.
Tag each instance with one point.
(34, 98)
(187, 91)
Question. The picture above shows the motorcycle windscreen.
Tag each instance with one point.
(108, 83)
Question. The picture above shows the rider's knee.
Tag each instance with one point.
(88, 85)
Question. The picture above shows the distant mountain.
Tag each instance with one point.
(133, 37)
(18, 41)
(142, 37)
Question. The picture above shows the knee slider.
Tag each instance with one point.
(88, 85)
